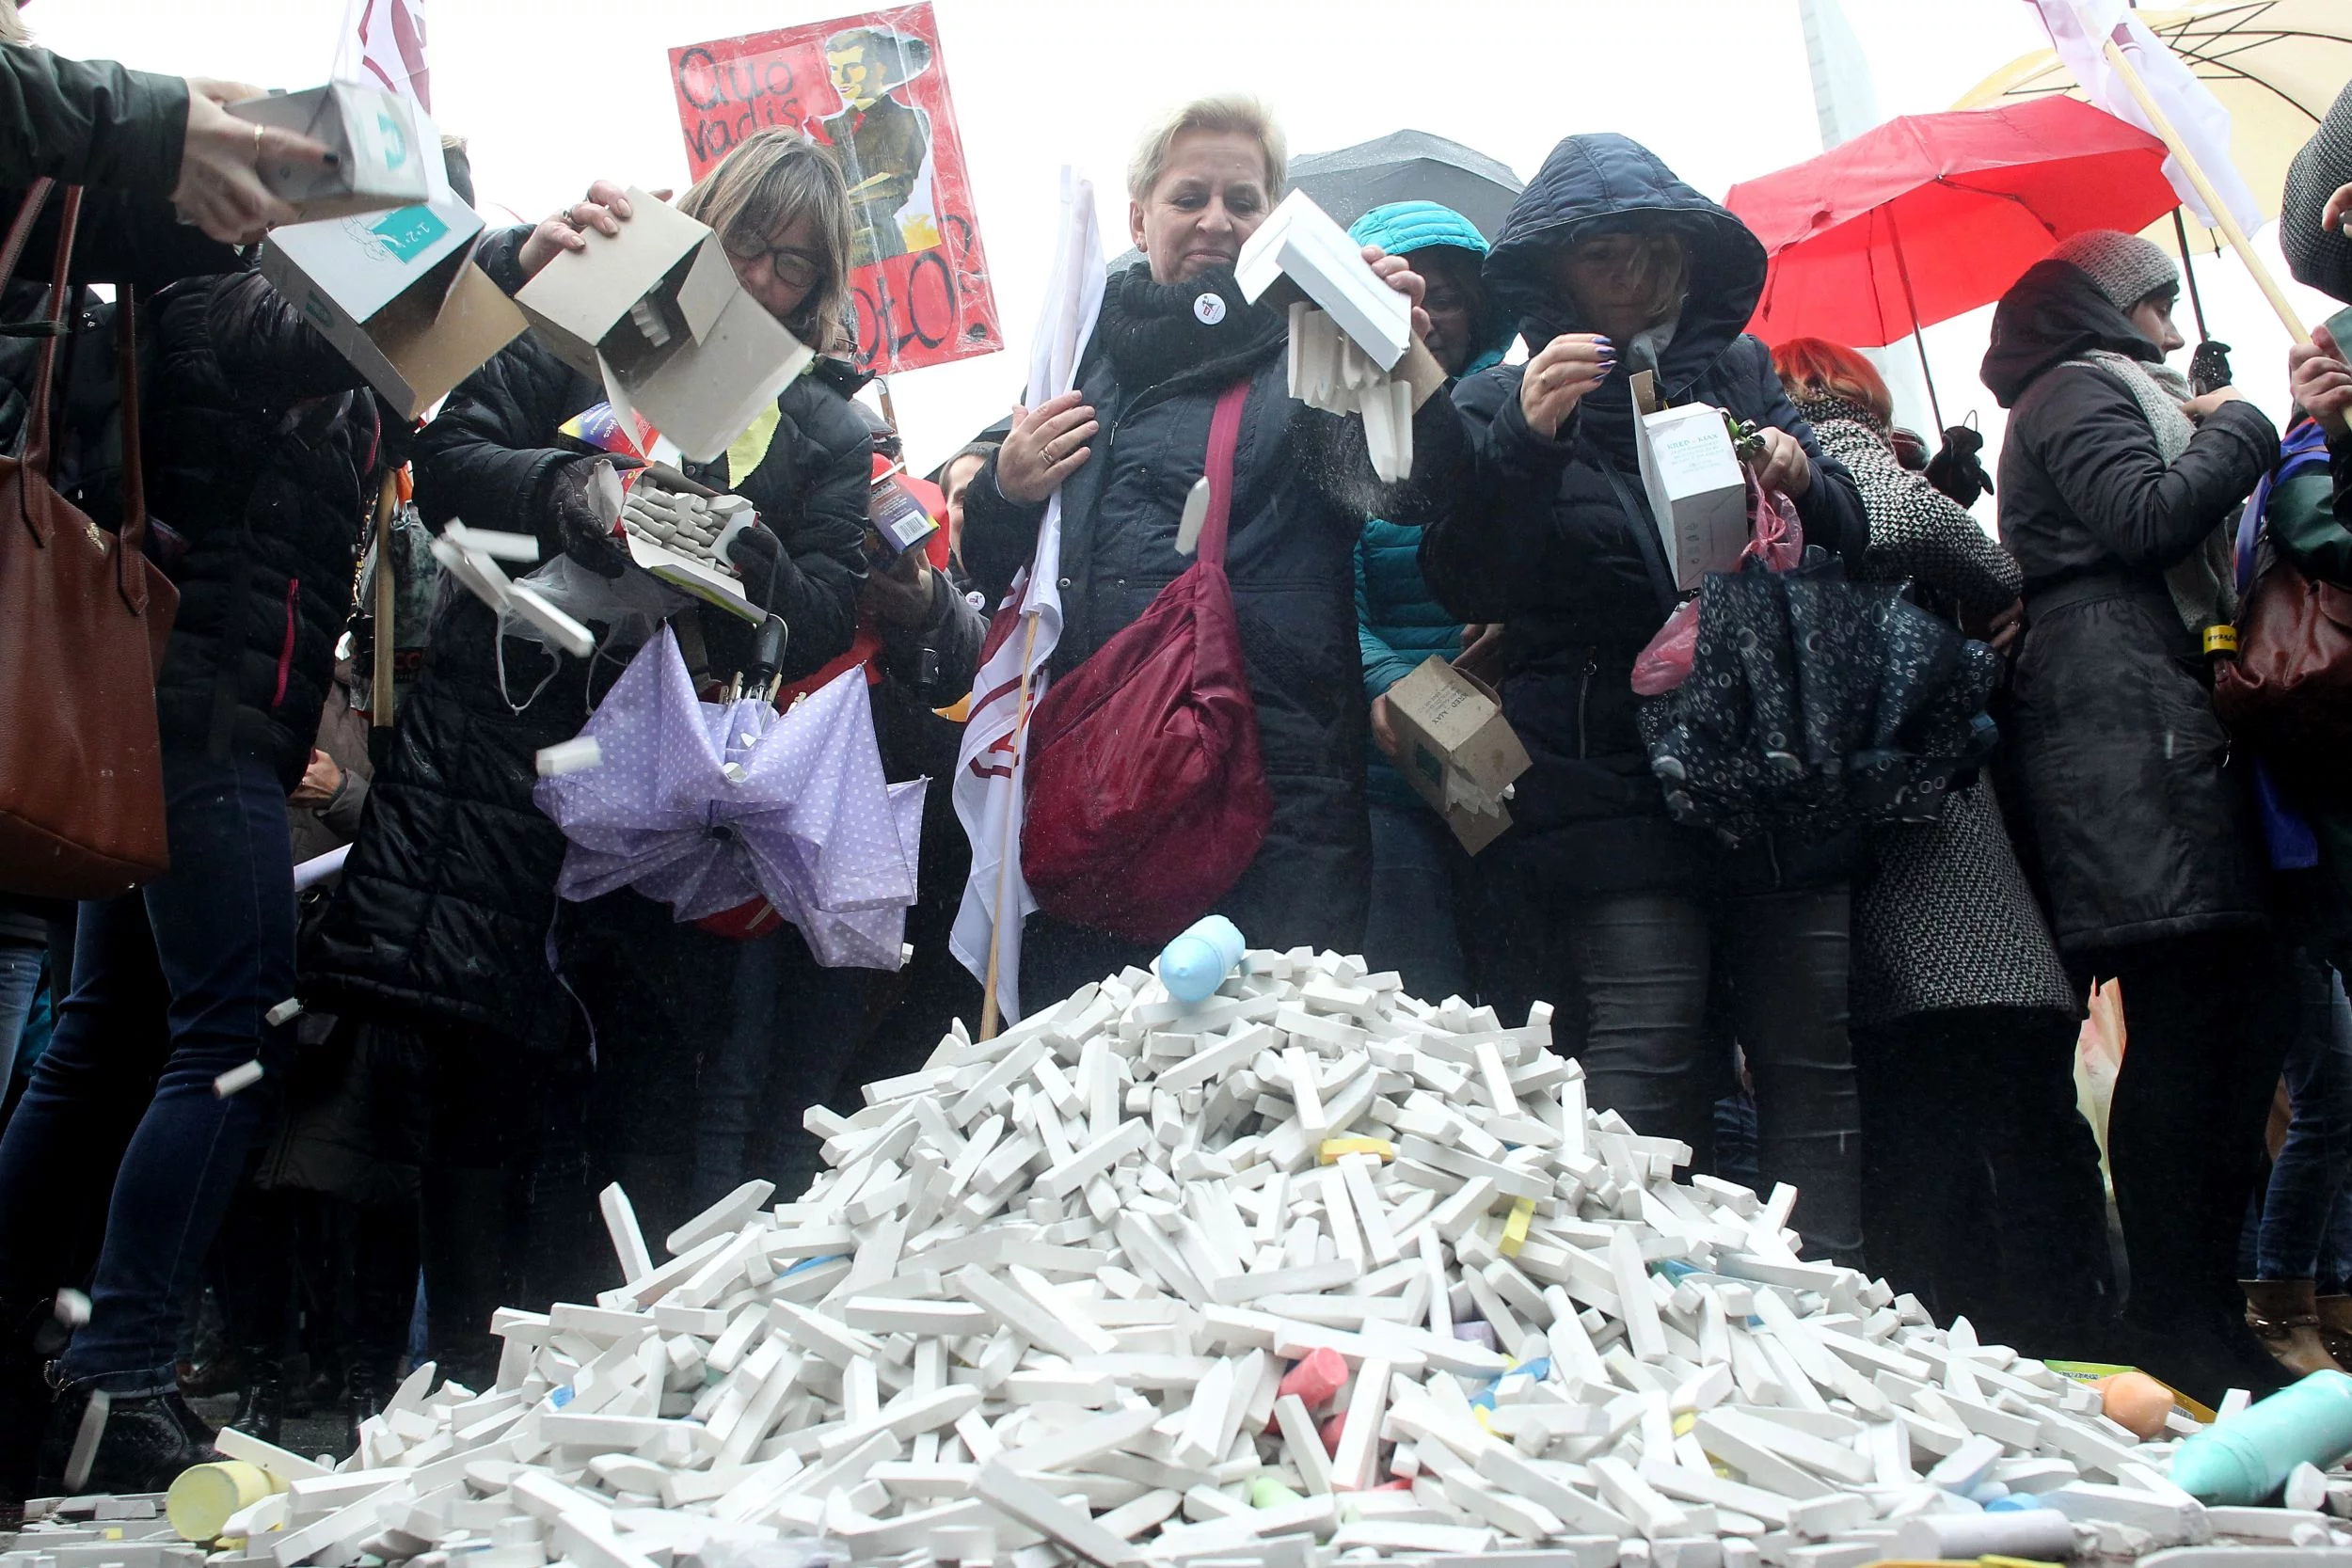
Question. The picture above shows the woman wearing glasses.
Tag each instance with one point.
(447, 916)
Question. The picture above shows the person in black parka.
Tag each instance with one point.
(1127, 447)
(447, 921)
(2115, 488)
(261, 442)
(1612, 264)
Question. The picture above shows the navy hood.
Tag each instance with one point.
(1590, 184)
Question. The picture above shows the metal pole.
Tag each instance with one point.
(1919, 334)
(2196, 302)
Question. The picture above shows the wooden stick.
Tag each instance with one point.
(1012, 843)
(380, 685)
(2205, 192)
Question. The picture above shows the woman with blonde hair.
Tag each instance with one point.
(1175, 336)
(1964, 1018)
(447, 915)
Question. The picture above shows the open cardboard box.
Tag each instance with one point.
(1697, 492)
(387, 152)
(1455, 748)
(656, 314)
(397, 294)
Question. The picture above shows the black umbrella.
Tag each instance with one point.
(1409, 166)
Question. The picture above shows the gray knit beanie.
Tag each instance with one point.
(2126, 268)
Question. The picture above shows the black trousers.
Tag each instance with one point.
(1980, 1187)
(2208, 1020)
(1644, 967)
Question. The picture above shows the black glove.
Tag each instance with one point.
(757, 553)
(585, 536)
(1955, 470)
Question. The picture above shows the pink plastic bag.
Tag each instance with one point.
(1775, 537)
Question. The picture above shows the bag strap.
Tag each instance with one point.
(131, 537)
(20, 228)
(1224, 438)
(1661, 582)
(35, 455)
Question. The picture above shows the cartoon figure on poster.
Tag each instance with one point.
(874, 87)
(883, 142)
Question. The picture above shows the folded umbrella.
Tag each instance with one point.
(708, 806)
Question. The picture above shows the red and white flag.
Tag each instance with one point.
(2081, 29)
(989, 769)
(383, 45)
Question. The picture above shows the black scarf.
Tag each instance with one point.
(1156, 331)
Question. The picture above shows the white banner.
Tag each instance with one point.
(989, 768)
(2080, 29)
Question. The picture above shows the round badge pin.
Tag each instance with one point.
(1209, 308)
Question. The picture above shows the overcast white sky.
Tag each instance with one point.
(554, 95)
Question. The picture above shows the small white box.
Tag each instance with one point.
(387, 150)
(1697, 492)
(1300, 242)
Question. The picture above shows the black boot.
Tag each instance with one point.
(29, 1336)
(144, 1442)
(262, 1404)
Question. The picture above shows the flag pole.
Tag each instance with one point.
(1009, 845)
(2214, 204)
(380, 685)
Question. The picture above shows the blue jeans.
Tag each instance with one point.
(20, 982)
(792, 1039)
(176, 976)
(2308, 1179)
(1416, 866)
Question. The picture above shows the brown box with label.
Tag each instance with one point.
(1457, 750)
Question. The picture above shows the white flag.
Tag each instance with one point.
(383, 45)
(2080, 28)
(989, 768)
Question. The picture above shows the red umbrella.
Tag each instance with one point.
(1929, 215)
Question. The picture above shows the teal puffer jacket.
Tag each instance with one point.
(1399, 622)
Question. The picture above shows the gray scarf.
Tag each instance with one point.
(2204, 583)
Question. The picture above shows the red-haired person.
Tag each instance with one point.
(1962, 1017)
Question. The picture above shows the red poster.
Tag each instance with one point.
(873, 86)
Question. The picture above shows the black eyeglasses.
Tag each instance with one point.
(795, 268)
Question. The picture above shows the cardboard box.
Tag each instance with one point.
(1457, 750)
(1300, 246)
(389, 149)
(1697, 491)
(656, 313)
(397, 293)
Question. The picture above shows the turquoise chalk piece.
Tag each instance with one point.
(2241, 1460)
(2016, 1502)
(1197, 961)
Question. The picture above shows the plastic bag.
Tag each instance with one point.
(1775, 537)
(630, 606)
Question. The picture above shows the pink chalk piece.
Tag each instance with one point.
(1331, 1434)
(1316, 1379)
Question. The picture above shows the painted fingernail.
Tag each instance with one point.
(1602, 338)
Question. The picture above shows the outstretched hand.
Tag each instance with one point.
(604, 209)
(219, 188)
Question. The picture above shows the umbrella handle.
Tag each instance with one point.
(768, 645)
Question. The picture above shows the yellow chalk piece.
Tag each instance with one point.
(1684, 1421)
(1331, 1149)
(2014, 1563)
(1483, 1415)
(1514, 1228)
(113, 1532)
(204, 1496)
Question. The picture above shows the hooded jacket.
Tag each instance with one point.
(447, 901)
(2142, 833)
(1541, 534)
(1399, 622)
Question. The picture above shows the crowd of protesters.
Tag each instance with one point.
(1878, 1006)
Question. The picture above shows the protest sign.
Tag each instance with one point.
(874, 87)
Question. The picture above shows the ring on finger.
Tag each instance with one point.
(1050, 458)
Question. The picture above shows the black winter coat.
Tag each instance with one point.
(2142, 831)
(89, 122)
(449, 897)
(1290, 557)
(1542, 532)
(261, 443)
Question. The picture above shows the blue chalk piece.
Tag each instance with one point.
(558, 1398)
(1196, 962)
(2016, 1502)
(810, 1264)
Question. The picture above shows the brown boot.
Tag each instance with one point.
(2284, 1313)
(2335, 1326)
